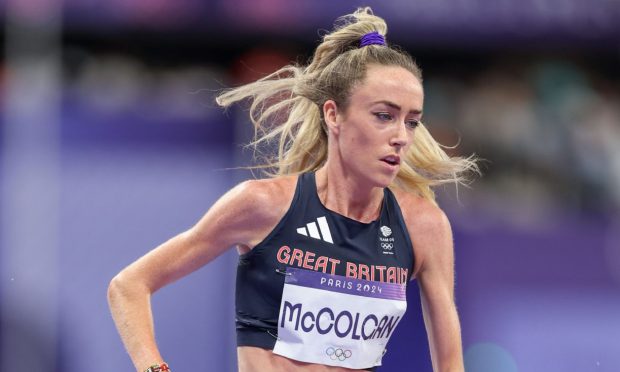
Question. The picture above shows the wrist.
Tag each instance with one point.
(163, 367)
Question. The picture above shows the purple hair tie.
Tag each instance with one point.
(372, 38)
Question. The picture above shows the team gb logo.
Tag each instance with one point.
(386, 231)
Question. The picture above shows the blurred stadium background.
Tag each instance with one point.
(111, 143)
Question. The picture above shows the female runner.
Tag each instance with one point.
(328, 243)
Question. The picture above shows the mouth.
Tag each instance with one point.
(392, 160)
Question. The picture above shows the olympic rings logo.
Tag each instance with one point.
(387, 246)
(339, 354)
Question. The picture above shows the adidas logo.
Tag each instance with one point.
(312, 230)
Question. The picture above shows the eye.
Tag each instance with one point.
(384, 116)
(413, 123)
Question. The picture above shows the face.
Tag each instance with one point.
(375, 131)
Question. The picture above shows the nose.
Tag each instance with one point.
(400, 136)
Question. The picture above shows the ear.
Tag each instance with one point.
(330, 115)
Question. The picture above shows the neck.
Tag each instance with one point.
(347, 195)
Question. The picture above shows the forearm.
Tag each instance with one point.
(130, 306)
(450, 358)
(445, 340)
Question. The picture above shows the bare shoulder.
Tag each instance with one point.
(421, 213)
(267, 195)
(258, 206)
(428, 227)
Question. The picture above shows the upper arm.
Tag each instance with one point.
(243, 216)
(433, 242)
(431, 236)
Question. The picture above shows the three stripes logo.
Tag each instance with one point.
(312, 229)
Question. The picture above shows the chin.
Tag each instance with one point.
(376, 177)
(383, 180)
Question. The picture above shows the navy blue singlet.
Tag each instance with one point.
(312, 237)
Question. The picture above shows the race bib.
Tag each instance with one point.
(337, 321)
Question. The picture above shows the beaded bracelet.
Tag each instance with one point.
(158, 368)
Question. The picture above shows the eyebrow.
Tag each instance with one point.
(393, 105)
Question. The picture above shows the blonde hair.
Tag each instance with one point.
(286, 108)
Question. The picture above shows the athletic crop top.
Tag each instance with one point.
(311, 237)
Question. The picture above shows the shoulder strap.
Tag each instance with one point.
(393, 216)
